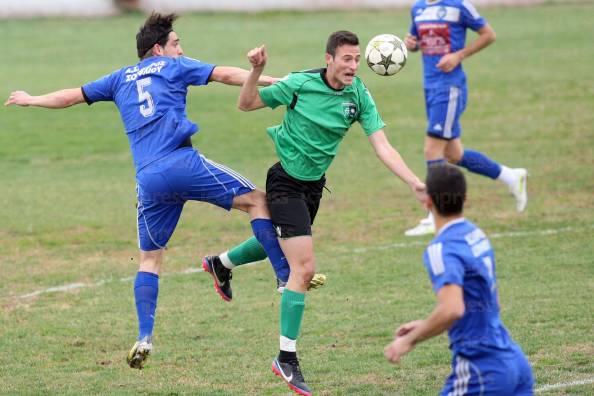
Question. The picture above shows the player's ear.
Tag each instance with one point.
(329, 58)
(157, 50)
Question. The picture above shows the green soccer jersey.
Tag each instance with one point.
(317, 119)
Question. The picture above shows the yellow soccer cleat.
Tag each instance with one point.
(317, 281)
(139, 353)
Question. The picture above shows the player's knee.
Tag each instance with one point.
(150, 261)
(308, 276)
(305, 270)
(432, 153)
(256, 198)
(452, 157)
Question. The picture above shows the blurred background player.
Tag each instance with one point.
(321, 105)
(151, 99)
(461, 265)
(439, 30)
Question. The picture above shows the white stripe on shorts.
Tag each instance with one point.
(202, 158)
(451, 113)
(137, 213)
(245, 182)
(462, 377)
(148, 231)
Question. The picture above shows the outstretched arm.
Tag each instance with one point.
(449, 62)
(249, 97)
(393, 161)
(236, 76)
(52, 100)
(449, 309)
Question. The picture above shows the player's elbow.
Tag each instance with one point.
(490, 36)
(243, 106)
(456, 311)
(246, 103)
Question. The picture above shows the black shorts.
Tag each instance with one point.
(293, 203)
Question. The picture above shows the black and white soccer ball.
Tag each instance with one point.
(386, 54)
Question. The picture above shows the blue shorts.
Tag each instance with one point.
(164, 186)
(493, 374)
(444, 107)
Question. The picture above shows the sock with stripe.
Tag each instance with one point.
(266, 235)
(248, 251)
(146, 290)
(291, 315)
(477, 162)
(440, 161)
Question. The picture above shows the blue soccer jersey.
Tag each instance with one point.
(151, 99)
(461, 254)
(440, 27)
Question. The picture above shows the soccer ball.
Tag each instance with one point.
(386, 54)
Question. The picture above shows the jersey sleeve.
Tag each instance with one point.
(100, 90)
(444, 268)
(470, 17)
(368, 117)
(281, 92)
(194, 72)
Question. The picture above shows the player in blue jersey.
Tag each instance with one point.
(438, 29)
(461, 265)
(151, 99)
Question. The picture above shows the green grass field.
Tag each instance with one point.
(67, 214)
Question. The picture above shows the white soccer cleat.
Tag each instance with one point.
(518, 189)
(425, 227)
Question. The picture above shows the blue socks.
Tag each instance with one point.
(440, 161)
(477, 162)
(146, 290)
(265, 234)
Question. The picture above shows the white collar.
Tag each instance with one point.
(451, 223)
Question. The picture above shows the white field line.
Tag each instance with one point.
(546, 388)
(399, 245)
(495, 235)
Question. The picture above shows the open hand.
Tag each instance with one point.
(258, 57)
(19, 98)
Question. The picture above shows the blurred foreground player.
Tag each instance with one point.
(461, 265)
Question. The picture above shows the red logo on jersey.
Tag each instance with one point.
(435, 38)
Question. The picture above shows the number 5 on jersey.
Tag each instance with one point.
(148, 109)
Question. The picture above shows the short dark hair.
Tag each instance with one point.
(340, 38)
(446, 186)
(155, 30)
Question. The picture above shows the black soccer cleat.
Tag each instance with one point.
(291, 374)
(221, 274)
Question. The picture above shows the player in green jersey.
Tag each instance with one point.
(321, 105)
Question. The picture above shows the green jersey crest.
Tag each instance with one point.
(349, 110)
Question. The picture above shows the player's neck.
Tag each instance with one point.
(332, 81)
(442, 221)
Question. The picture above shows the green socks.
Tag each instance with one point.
(248, 251)
(291, 313)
